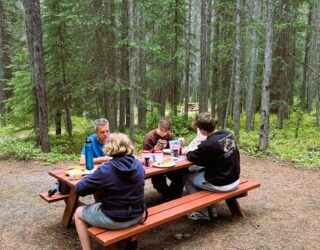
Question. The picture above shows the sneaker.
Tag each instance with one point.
(197, 216)
(213, 212)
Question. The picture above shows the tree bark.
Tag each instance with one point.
(3, 58)
(132, 75)
(254, 53)
(265, 93)
(306, 59)
(204, 54)
(142, 98)
(187, 66)
(124, 71)
(65, 89)
(110, 66)
(34, 29)
(237, 87)
(175, 64)
(216, 62)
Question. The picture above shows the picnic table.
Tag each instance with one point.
(158, 214)
(72, 199)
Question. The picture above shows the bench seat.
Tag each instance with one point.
(172, 210)
(56, 197)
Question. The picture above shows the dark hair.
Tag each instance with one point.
(165, 124)
(204, 121)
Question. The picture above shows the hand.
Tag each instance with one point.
(182, 141)
(159, 146)
(184, 151)
(105, 158)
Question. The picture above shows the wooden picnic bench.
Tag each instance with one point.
(172, 210)
(56, 197)
(72, 199)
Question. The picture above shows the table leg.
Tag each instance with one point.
(234, 207)
(71, 205)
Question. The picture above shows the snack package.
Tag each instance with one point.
(175, 145)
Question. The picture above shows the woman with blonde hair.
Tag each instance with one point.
(120, 182)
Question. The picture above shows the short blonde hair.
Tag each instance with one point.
(118, 144)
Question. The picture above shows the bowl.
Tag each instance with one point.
(75, 174)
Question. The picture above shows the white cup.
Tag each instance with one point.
(158, 156)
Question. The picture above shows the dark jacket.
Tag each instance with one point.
(120, 182)
(220, 156)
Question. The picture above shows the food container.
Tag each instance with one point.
(75, 174)
(158, 156)
(175, 147)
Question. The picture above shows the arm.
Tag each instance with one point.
(197, 156)
(90, 184)
(96, 161)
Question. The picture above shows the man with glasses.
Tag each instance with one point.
(98, 139)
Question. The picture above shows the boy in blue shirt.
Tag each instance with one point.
(98, 139)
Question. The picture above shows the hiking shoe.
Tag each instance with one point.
(213, 212)
(197, 216)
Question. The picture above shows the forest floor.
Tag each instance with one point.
(282, 214)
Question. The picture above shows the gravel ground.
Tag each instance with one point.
(282, 214)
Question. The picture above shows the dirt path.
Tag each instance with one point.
(284, 213)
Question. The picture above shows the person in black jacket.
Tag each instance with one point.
(219, 159)
(120, 183)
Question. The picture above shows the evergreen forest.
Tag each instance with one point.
(254, 64)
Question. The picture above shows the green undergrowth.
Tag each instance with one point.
(300, 145)
(298, 142)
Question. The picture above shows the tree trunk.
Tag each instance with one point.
(142, 98)
(162, 94)
(265, 92)
(3, 62)
(187, 66)
(312, 59)
(175, 64)
(216, 62)
(229, 102)
(110, 66)
(282, 77)
(237, 87)
(65, 90)
(132, 75)
(32, 10)
(254, 53)
(306, 58)
(195, 57)
(124, 71)
(204, 55)
(58, 122)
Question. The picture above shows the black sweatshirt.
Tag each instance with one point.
(220, 156)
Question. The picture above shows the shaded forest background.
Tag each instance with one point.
(255, 65)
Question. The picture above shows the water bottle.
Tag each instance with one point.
(89, 154)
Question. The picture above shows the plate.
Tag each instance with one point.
(84, 171)
(76, 168)
(164, 164)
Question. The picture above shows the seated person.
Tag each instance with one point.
(120, 182)
(220, 160)
(98, 139)
(163, 132)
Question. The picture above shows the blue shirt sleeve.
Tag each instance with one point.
(97, 147)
